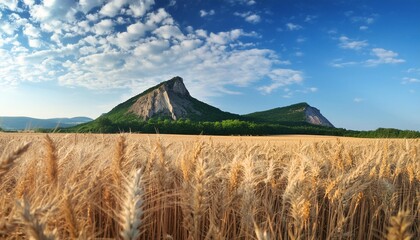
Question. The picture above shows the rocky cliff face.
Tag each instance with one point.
(314, 116)
(170, 99)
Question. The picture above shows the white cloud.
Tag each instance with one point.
(10, 4)
(281, 78)
(135, 50)
(168, 32)
(112, 8)
(339, 63)
(249, 17)
(293, 27)
(363, 28)
(348, 43)
(413, 70)
(137, 7)
(364, 20)
(408, 80)
(87, 5)
(8, 28)
(253, 18)
(204, 13)
(140, 7)
(383, 56)
(245, 2)
(300, 40)
(54, 9)
(34, 43)
(31, 31)
(299, 54)
(104, 27)
(310, 18)
(358, 100)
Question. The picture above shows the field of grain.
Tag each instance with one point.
(130, 186)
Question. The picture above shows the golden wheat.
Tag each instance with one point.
(283, 187)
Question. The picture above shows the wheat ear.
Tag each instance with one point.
(8, 161)
(131, 212)
(51, 160)
(400, 227)
(34, 228)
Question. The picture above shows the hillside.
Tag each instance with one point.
(167, 100)
(169, 108)
(291, 115)
(27, 123)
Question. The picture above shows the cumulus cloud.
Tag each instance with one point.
(249, 17)
(10, 4)
(347, 43)
(87, 5)
(383, 56)
(104, 27)
(31, 31)
(204, 13)
(128, 44)
(281, 78)
(54, 9)
(293, 27)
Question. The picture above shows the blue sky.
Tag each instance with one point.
(357, 61)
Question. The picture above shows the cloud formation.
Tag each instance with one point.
(347, 43)
(249, 17)
(204, 13)
(293, 27)
(383, 56)
(126, 44)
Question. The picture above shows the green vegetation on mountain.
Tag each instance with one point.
(169, 108)
(291, 114)
(230, 127)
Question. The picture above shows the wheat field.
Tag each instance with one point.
(132, 186)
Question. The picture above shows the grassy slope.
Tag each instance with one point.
(290, 114)
(120, 112)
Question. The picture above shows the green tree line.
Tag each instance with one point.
(229, 127)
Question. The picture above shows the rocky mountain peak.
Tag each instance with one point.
(169, 99)
(176, 85)
(314, 116)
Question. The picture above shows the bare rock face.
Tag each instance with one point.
(170, 99)
(314, 116)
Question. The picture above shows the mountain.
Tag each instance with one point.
(167, 100)
(27, 123)
(293, 114)
(170, 100)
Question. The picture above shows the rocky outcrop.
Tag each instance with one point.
(314, 116)
(169, 99)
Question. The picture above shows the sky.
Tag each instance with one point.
(357, 61)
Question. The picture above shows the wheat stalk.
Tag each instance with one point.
(34, 228)
(70, 216)
(8, 161)
(399, 228)
(51, 160)
(132, 207)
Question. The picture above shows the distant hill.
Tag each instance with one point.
(27, 123)
(293, 114)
